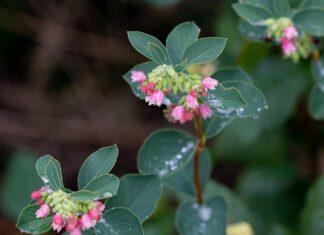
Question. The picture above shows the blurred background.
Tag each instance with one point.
(62, 93)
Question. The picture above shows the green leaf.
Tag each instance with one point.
(318, 73)
(146, 67)
(316, 103)
(214, 125)
(83, 196)
(281, 8)
(180, 38)
(204, 50)
(104, 186)
(310, 21)
(119, 221)
(141, 42)
(139, 194)
(265, 4)
(253, 32)
(312, 219)
(158, 55)
(98, 163)
(49, 170)
(252, 14)
(165, 151)
(14, 194)
(232, 74)
(207, 219)
(182, 180)
(225, 102)
(252, 96)
(28, 223)
(313, 3)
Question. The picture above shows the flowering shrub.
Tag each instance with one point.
(297, 28)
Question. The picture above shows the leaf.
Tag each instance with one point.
(252, 96)
(253, 32)
(157, 54)
(265, 4)
(165, 151)
(225, 102)
(316, 103)
(98, 163)
(139, 194)
(313, 3)
(119, 221)
(141, 41)
(204, 50)
(207, 219)
(310, 21)
(179, 39)
(104, 186)
(252, 14)
(49, 170)
(318, 73)
(83, 196)
(312, 219)
(146, 67)
(14, 194)
(182, 180)
(214, 125)
(281, 8)
(28, 223)
(232, 74)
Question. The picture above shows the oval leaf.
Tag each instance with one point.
(180, 38)
(119, 221)
(182, 180)
(49, 170)
(316, 103)
(83, 196)
(137, 193)
(104, 186)
(318, 73)
(214, 125)
(208, 219)
(310, 21)
(165, 151)
(281, 8)
(28, 223)
(204, 50)
(252, 14)
(98, 163)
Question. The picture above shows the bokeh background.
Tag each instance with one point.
(62, 93)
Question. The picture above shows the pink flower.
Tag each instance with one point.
(189, 115)
(191, 101)
(76, 231)
(94, 214)
(100, 206)
(288, 47)
(209, 83)
(58, 222)
(45, 189)
(43, 211)
(205, 111)
(71, 224)
(290, 32)
(156, 98)
(138, 76)
(178, 114)
(86, 222)
(36, 195)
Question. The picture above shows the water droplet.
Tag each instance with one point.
(45, 179)
(107, 194)
(205, 213)
(163, 172)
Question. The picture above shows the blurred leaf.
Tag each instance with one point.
(83, 196)
(310, 21)
(165, 151)
(279, 230)
(281, 8)
(253, 32)
(141, 42)
(183, 180)
(20, 179)
(204, 50)
(139, 194)
(49, 170)
(119, 221)
(214, 125)
(180, 38)
(98, 163)
(316, 104)
(318, 73)
(265, 4)
(28, 223)
(312, 219)
(207, 219)
(232, 74)
(250, 13)
(313, 3)
(103, 186)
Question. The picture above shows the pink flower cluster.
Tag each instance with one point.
(184, 111)
(74, 223)
(288, 40)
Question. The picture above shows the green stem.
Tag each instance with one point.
(199, 149)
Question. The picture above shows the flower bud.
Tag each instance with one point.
(36, 195)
